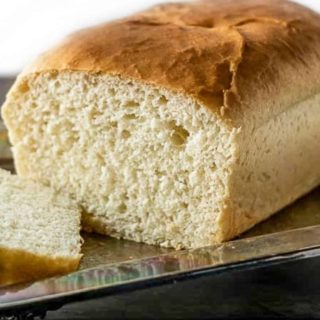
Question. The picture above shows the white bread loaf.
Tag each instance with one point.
(181, 126)
(40, 231)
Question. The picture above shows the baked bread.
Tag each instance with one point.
(183, 125)
(40, 231)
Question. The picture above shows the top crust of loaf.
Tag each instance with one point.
(243, 59)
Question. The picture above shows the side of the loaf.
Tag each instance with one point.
(276, 163)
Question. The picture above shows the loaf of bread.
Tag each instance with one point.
(39, 231)
(181, 126)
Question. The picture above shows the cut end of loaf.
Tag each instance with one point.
(145, 164)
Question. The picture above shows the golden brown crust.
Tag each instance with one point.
(20, 266)
(239, 57)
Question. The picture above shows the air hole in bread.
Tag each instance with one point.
(57, 84)
(101, 159)
(184, 205)
(94, 114)
(213, 167)
(163, 100)
(130, 117)
(178, 134)
(111, 92)
(122, 208)
(131, 104)
(125, 134)
(113, 124)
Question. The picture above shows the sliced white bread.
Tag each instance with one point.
(39, 231)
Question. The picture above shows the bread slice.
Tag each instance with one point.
(181, 126)
(40, 231)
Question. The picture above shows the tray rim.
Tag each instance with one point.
(310, 249)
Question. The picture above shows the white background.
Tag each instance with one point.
(27, 27)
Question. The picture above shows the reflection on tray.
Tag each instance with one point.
(252, 252)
